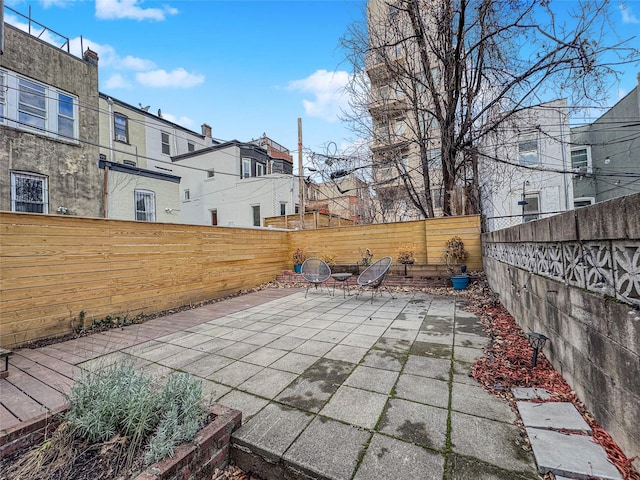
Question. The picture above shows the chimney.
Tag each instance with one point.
(90, 56)
(206, 130)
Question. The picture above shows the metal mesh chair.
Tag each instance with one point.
(373, 276)
(315, 271)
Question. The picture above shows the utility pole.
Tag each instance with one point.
(300, 175)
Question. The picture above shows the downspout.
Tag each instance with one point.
(564, 163)
(105, 187)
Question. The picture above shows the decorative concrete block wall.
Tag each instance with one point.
(575, 278)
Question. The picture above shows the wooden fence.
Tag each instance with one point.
(56, 270)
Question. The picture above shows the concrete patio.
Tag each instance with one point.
(329, 387)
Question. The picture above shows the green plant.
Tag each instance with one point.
(120, 400)
(299, 256)
(365, 257)
(405, 255)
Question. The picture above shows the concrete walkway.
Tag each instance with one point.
(329, 387)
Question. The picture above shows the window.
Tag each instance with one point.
(120, 127)
(583, 202)
(30, 105)
(145, 205)
(187, 194)
(261, 170)
(400, 126)
(437, 197)
(531, 207)
(214, 217)
(256, 215)
(283, 208)
(3, 96)
(211, 173)
(246, 167)
(434, 158)
(32, 108)
(166, 148)
(191, 147)
(528, 151)
(29, 193)
(581, 160)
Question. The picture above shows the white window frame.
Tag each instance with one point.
(191, 147)
(22, 98)
(186, 195)
(591, 201)
(150, 215)
(283, 208)
(246, 168)
(261, 169)
(117, 131)
(526, 154)
(253, 215)
(15, 177)
(581, 169)
(211, 173)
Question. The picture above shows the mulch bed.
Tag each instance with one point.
(507, 364)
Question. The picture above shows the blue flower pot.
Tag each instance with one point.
(460, 282)
(297, 268)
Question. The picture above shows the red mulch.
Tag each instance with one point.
(507, 364)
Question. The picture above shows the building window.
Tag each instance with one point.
(400, 126)
(581, 160)
(32, 107)
(434, 158)
(261, 170)
(583, 202)
(2, 96)
(187, 194)
(120, 126)
(246, 167)
(531, 207)
(437, 197)
(29, 105)
(29, 193)
(166, 147)
(145, 205)
(211, 173)
(528, 151)
(283, 208)
(191, 147)
(214, 217)
(256, 215)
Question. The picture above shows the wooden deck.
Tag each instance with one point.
(40, 378)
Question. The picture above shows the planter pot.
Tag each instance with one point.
(297, 268)
(460, 282)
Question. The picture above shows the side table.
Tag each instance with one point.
(344, 279)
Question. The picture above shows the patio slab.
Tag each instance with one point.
(556, 415)
(329, 387)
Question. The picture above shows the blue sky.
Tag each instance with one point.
(244, 67)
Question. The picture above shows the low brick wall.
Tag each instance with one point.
(196, 460)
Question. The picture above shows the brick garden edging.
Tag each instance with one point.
(196, 460)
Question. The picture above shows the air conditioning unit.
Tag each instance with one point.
(121, 138)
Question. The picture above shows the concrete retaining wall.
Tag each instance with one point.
(575, 278)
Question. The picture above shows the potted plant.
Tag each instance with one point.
(405, 257)
(298, 259)
(454, 254)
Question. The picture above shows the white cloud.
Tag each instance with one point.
(178, 78)
(328, 91)
(627, 15)
(135, 63)
(131, 9)
(56, 3)
(117, 81)
(184, 121)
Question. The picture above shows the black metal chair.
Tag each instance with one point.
(316, 272)
(373, 276)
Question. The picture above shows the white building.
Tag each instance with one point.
(230, 185)
(524, 168)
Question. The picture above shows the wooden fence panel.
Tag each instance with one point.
(55, 267)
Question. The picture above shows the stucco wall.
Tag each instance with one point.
(575, 278)
(73, 175)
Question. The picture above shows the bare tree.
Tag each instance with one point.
(456, 70)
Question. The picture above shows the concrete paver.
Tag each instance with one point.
(557, 415)
(333, 387)
(577, 456)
